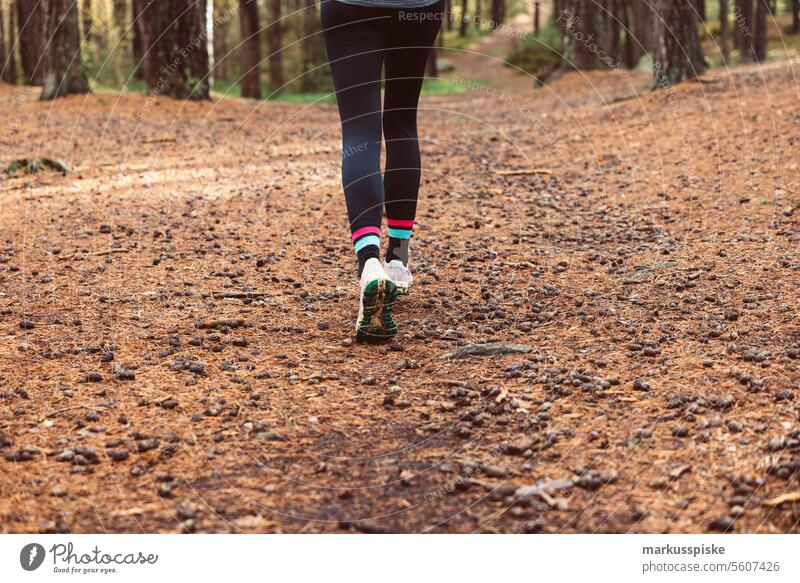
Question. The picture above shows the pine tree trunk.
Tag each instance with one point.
(724, 30)
(175, 44)
(630, 48)
(678, 54)
(613, 24)
(3, 54)
(642, 21)
(275, 44)
(744, 22)
(478, 14)
(310, 47)
(581, 24)
(700, 6)
(760, 43)
(138, 44)
(448, 14)
(30, 23)
(63, 65)
(537, 15)
(251, 49)
(12, 50)
(462, 26)
(795, 16)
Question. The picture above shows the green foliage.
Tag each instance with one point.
(533, 54)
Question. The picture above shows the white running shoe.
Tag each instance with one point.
(378, 294)
(399, 274)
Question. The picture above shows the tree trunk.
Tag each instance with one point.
(310, 47)
(209, 33)
(632, 52)
(498, 12)
(30, 23)
(581, 24)
(700, 6)
(3, 54)
(11, 69)
(462, 26)
(678, 54)
(795, 16)
(275, 44)
(643, 22)
(448, 14)
(760, 43)
(478, 14)
(176, 49)
(138, 44)
(744, 25)
(62, 63)
(724, 30)
(614, 29)
(87, 31)
(537, 23)
(251, 49)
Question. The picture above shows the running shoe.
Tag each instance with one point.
(399, 274)
(378, 294)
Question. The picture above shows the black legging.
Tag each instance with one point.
(359, 40)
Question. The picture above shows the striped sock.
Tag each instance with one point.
(367, 243)
(399, 236)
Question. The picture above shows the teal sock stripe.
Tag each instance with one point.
(399, 233)
(368, 240)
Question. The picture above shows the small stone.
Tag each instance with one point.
(27, 325)
(118, 455)
(322, 325)
(721, 524)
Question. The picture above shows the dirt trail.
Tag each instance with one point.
(176, 317)
(485, 60)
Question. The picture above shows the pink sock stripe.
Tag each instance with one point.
(366, 231)
(396, 223)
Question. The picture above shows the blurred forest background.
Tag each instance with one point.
(273, 49)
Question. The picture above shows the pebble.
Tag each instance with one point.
(721, 524)
(118, 455)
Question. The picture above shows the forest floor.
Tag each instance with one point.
(176, 313)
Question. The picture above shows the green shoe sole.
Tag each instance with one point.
(375, 321)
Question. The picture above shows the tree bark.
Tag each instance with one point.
(311, 47)
(700, 6)
(138, 44)
(275, 44)
(760, 43)
(632, 53)
(744, 27)
(11, 69)
(724, 30)
(678, 54)
(537, 23)
(613, 24)
(30, 23)
(581, 25)
(3, 53)
(175, 43)
(795, 16)
(462, 26)
(251, 49)
(63, 65)
(643, 22)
